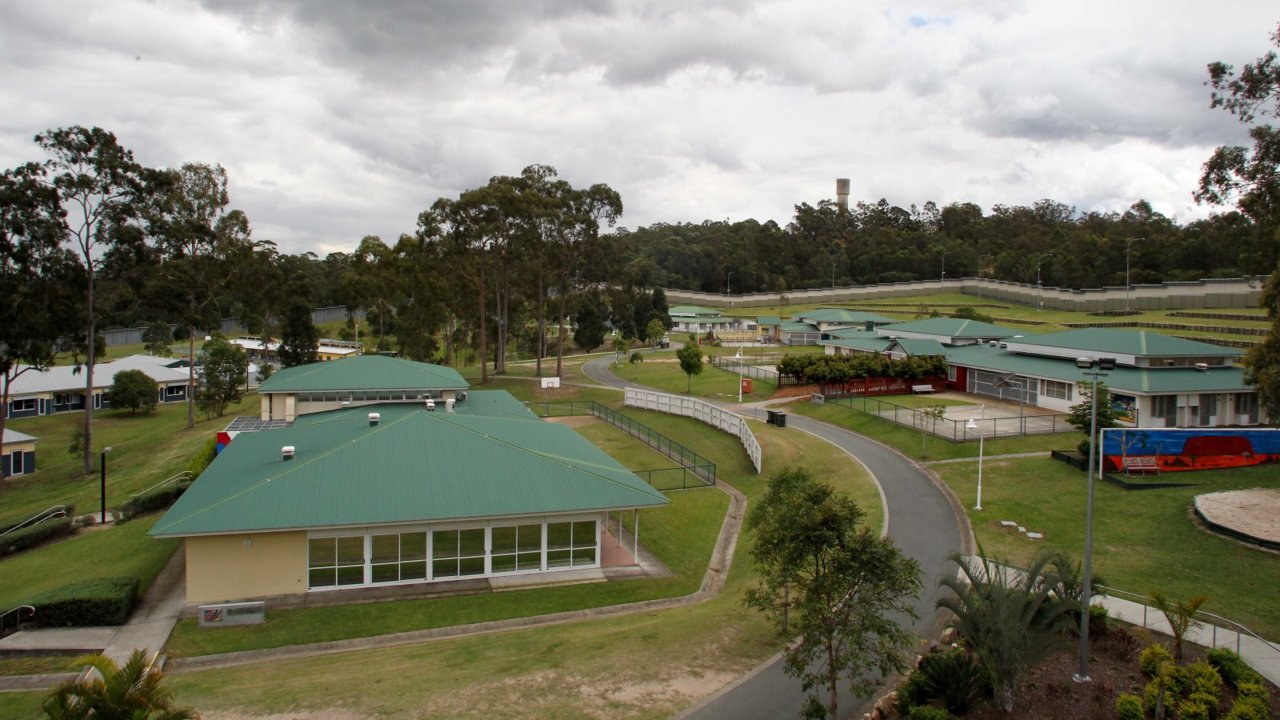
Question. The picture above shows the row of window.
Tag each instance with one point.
(366, 395)
(375, 558)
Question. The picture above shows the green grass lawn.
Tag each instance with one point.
(909, 441)
(145, 450)
(123, 550)
(1144, 540)
(633, 666)
(662, 371)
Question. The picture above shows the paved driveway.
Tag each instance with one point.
(921, 521)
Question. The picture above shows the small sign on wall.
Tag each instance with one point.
(224, 614)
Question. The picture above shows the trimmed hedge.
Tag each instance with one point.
(88, 603)
(28, 538)
(1232, 667)
(12, 523)
(154, 500)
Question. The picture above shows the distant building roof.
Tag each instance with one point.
(364, 372)
(1136, 343)
(768, 320)
(867, 343)
(799, 327)
(13, 436)
(1132, 379)
(70, 378)
(919, 347)
(490, 458)
(949, 328)
(840, 315)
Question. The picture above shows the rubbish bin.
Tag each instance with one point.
(746, 385)
(781, 419)
(773, 417)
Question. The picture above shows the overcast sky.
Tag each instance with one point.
(337, 119)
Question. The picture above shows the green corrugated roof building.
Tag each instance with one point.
(490, 458)
(949, 330)
(363, 372)
(1136, 343)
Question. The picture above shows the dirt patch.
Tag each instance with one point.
(574, 420)
(1253, 512)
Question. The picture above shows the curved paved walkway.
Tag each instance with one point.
(922, 517)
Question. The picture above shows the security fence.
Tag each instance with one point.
(755, 372)
(694, 471)
(956, 429)
(706, 412)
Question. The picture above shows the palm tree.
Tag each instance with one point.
(1011, 619)
(1179, 614)
(111, 692)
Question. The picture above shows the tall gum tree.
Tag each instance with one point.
(40, 282)
(99, 185)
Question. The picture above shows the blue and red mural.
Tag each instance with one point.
(1173, 450)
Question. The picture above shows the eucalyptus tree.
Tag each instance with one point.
(187, 215)
(420, 311)
(40, 283)
(577, 243)
(99, 186)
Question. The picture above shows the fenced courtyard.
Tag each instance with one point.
(991, 418)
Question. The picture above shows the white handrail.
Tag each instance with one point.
(57, 511)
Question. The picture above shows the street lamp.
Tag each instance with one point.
(972, 425)
(944, 265)
(1040, 287)
(102, 464)
(1128, 287)
(738, 357)
(1086, 592)
(726, 283)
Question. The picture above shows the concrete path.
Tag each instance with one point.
(148, 627)
(920, 516)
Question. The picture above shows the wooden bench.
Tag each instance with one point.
(1141, 464)
(921, 388)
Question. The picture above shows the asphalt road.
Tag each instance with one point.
(921, 522)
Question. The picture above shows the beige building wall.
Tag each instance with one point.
(236, 567)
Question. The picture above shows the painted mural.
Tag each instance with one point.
(1174, 450)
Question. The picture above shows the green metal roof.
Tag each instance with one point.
(1139, 380)
(694, 310)
(920, 347)
(867, 343)
(364, 372)
(951, 328)
(799, 327)
(1140, 343)
(768, 320)
(490, 458)
(840, 315)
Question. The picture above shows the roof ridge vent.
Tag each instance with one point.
(374, 418)
(286, 453)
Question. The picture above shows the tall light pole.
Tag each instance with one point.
(972, 425)
(726, 283)
(1086, 591)
(1039, 287)
(1128, 286)
(944, 264)
(738, 357)
(102, 463)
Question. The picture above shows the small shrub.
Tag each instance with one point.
(955, 678)
(1204, 678)
(1122, 643)
(88, 603)
(36, 535)
(1173, 679)
(1233, 669)
(928, 712)
(1195, 707)
(1129, 707)
(202, 458)
(1099, 624)
(912, 692)
(1152, 658)
(1253, 703)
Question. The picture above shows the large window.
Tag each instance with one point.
(24, 405)
(333, 562)
(456, 553)
(1056, 389)
(516, 547)
(1247, 407)
(1165, 407)
(571, 543)
(396, 557)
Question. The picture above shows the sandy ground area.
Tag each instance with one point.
(1256, 512)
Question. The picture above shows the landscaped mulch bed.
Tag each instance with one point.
(1050, 693)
